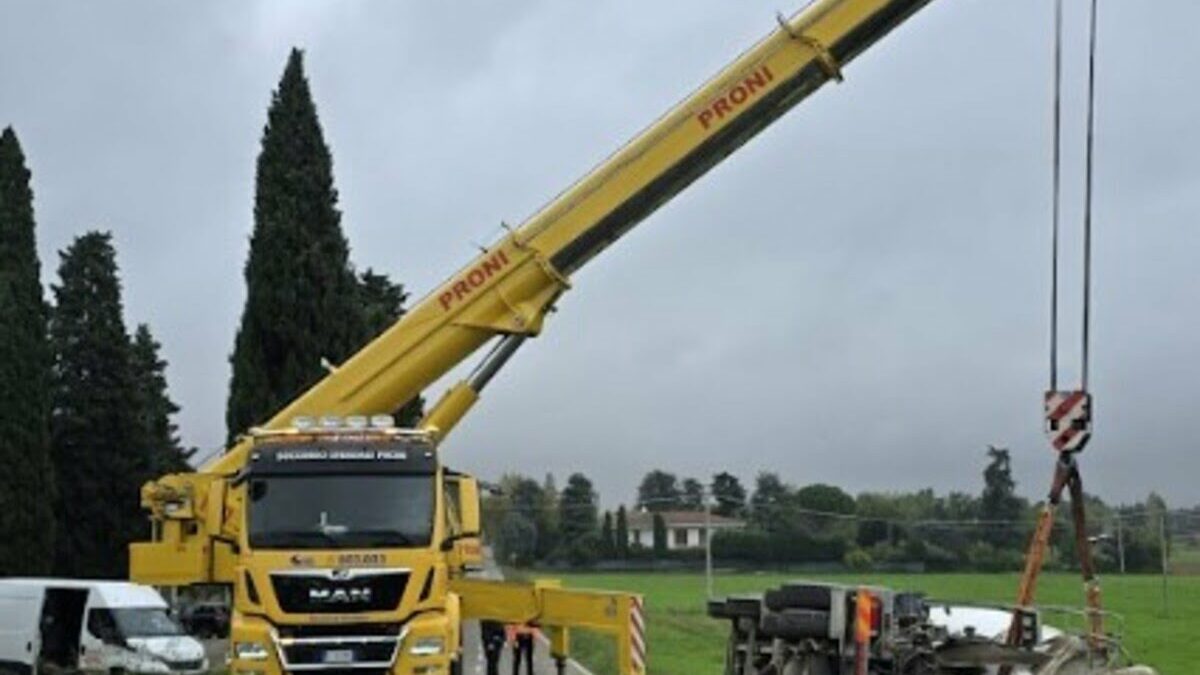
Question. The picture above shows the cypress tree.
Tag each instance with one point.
(660, 536)
(26, 483)
(577, 511)
(302, 299)
(95, 434)
(608, 545)
(622, 533)
(159, 434)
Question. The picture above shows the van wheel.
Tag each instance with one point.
(116, 671)
(456, 667)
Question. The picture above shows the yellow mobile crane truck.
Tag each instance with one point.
(347, 543)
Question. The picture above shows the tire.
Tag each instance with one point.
(743, 607)
(456, 667)
(717, 610)
(799, 596)
(796, 624)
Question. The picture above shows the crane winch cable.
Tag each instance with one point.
(1068, 412)
(1087, 200)
(1056, 190)
(1056, 193)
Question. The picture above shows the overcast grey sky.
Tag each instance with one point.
(857, 297)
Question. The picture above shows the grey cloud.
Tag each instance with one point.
(858, 297)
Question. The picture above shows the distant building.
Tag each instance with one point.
(685, 529)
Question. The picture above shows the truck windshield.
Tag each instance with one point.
(341, 511)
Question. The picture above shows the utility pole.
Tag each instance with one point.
(1162, 539)
(1121, 542)
(708, 571)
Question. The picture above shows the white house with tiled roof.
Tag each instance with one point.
(685, 529)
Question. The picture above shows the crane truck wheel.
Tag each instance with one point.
(798, 596)
(743, 607)
(716, 610)
(796, 624)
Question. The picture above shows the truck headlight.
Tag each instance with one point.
(427, 646)
(250, 651)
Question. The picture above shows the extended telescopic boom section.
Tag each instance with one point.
(509, 288)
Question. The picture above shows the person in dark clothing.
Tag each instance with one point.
(522, 642)
(493, 643)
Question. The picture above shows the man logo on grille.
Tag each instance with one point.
(339, 596)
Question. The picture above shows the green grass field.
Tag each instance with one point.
(684, 641)
(1185, 559)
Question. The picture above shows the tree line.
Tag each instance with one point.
(532, 523)
(85, 414)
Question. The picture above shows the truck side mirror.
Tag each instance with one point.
(463, 539)
(468, 505)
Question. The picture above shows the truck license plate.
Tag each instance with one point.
(339, 656)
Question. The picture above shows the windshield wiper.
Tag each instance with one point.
(302, 538)
(387, 537)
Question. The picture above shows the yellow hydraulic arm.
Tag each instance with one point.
(508, 289)
(557, 610)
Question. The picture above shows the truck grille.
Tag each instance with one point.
(355, 650)
(300, 656)
(339, 591)
(322, 630)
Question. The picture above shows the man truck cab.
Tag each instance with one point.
(49, 625)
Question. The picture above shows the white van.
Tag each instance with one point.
(48, 625)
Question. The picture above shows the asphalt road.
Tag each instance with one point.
(216, 650)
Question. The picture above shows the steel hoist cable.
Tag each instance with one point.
(1068, 412)
(1056, 192)
(1087, 199)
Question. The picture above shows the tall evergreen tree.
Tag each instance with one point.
(577, 510)
(548, 521)
(769, 503)
(159, 434)
(608, 545)
(302, 297)
(26, 483)
(999, 501)
(659, 491)
(660, 536)
(98, 457)
(729, 494)
(691, 495)
(622, 535)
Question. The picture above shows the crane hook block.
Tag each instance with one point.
(1068, 419)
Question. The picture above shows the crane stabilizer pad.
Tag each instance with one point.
(1068, 419)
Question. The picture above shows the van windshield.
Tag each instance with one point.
(132, 622)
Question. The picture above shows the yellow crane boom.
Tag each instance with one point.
(508, 289)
